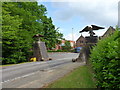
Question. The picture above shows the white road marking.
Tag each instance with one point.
(20, 77)
(49, 70)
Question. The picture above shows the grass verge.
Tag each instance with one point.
(79, 78)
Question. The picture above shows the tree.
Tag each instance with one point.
(67, 46)
(51, 35)
(20, 22)
(10, 30)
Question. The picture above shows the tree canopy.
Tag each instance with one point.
(20, 22)
(67, 46)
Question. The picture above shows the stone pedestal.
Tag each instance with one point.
(85, 51)
(40, 51)
(91, 39)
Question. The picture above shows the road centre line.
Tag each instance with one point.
(32, 73)
(20, 77)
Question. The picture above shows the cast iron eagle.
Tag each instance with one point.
(90, 29)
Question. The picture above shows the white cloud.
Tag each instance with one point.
(74, 37)
(102, 12)
(98, 12)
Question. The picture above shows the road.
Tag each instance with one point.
(37, 74)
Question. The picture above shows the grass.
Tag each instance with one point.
(79, 78)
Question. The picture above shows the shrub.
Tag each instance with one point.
(106, 61)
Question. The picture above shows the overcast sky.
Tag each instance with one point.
(76, 14)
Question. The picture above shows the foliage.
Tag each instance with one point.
(67, 46)
(20, 22)
(106, 61)
(51, 34)
(59, 50)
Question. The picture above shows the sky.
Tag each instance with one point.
(71, 16)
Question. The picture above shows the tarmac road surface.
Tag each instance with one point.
(38, 74)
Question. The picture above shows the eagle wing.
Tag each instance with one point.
(94, 27)
(86, 29)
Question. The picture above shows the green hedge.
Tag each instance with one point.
(55, 51)
(59, 50)
(106, 61)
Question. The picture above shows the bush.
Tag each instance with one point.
(15, 58)
(67, 46)
(106, 61)
(59, 50)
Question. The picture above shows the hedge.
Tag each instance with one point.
(105, 60)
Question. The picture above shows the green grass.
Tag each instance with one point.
(79, 78)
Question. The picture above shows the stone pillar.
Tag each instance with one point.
(39, 49)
